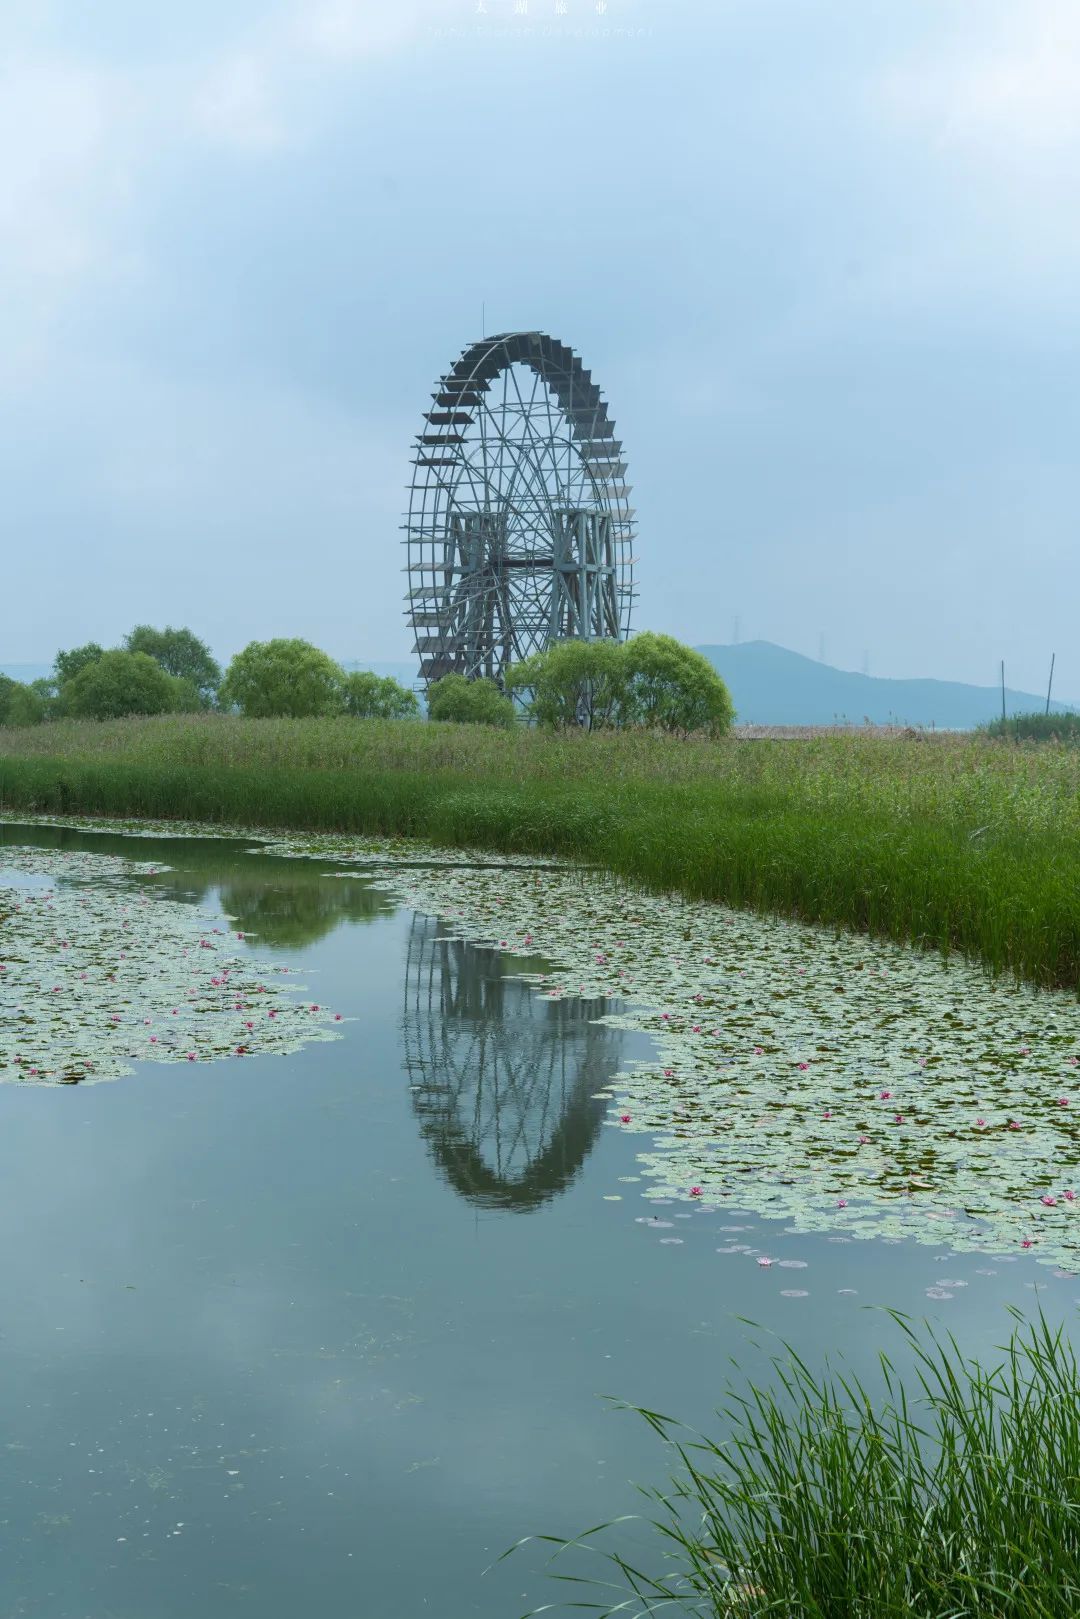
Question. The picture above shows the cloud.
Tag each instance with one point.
(58, 174)
(1008, 85)
(236, 104)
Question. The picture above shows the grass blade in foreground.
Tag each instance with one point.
(956, 1496)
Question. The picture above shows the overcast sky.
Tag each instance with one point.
(821, 255)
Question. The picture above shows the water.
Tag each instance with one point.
(328, 1332)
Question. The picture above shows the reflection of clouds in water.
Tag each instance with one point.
(503, 1081)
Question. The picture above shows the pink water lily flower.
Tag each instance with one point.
(668, 1072)
(695, 1191)
(1063, 1101)
(1050, 1202)
(624, 1118)
(764, 1261)
(841, 1203)
(1069, 1196)
(804, 1066)
(980, 1124)
(1027, 1243)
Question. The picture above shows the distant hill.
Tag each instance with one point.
(772, 686)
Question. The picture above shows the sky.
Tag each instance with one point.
(822, 260)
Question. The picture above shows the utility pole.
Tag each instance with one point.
(1003, 689)
(1050, 682)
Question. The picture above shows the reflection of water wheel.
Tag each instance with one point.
(504, 1080)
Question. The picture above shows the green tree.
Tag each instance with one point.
(573, 683)
(181, 654)
(283, 678)
(24, 706)
(120, 683)
(469, 702)
(19, 704)
(373, 697)
(670, 687)
(66, 665)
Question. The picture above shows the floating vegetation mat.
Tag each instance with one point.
(100, 970)
(825, 1080)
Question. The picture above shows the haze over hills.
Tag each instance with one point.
(771, 685)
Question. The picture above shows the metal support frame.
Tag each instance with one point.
(519, 528)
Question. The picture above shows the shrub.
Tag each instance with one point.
(288, 678)
(374, 697)
(66, 665)
(469, 702)
(121, 683)
(652, 682)
(670, 687)
(579, 683)
(181, 654)
(1036, 728)
(19, 704)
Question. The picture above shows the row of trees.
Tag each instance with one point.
(171, 671)
(651, 682)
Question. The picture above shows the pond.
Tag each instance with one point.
(328, 1232)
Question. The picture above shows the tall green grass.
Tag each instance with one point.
(1036, 728)
(956, 844)
(954, 1497)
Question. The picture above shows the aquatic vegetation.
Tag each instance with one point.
(955, 1493)
(822, 1079)
(100, 970)
(815, 1077)
(953, 843)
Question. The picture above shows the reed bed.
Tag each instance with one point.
(955, 843)
(952, 1494)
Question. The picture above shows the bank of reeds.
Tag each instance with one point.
(955, 1495)
(951, 843)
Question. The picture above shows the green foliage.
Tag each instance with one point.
(652, 682)
(181, 654)
(122, 683)
(573, 683)
(469, 702)
(1036, 728)
(373, 697)
(66, 665)
(21, 705)
(959, 1495)
(271, 679)
(951, 843)
(670, 687)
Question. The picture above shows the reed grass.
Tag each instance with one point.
(953, 1496)
(950, 843)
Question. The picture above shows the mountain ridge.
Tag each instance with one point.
(771, 685)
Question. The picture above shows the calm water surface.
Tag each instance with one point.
(326, 1333)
